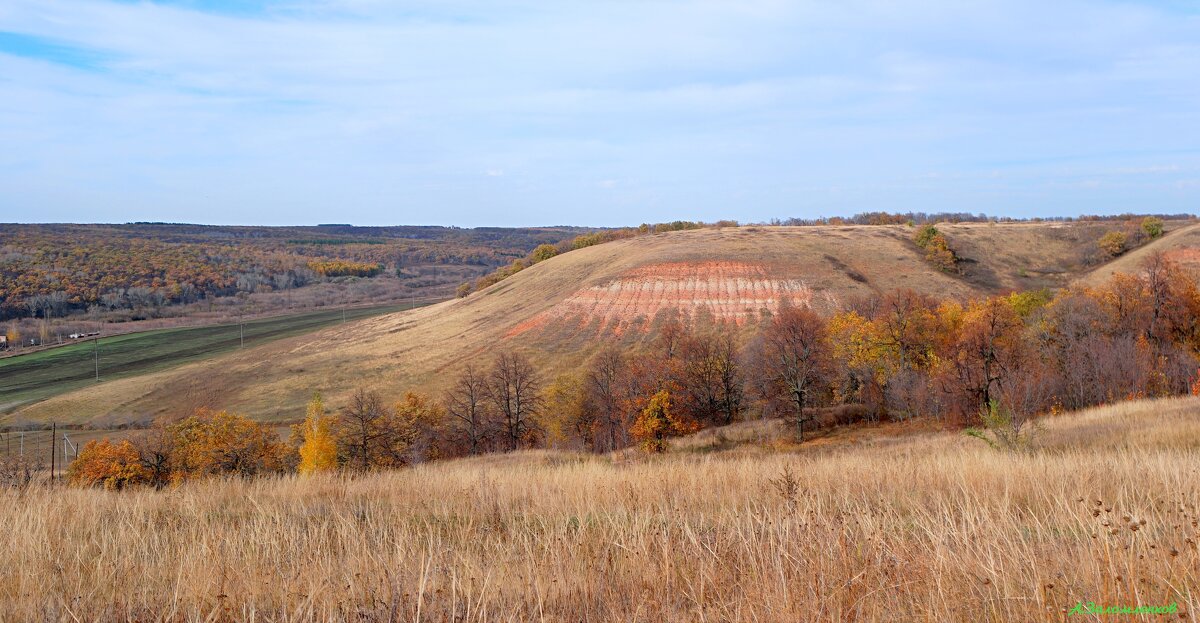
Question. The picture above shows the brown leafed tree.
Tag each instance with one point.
(467, 405)
(605, 422)
(709, 377)
(793, 359)
(364, 430)
(515, 394)
(156, 447)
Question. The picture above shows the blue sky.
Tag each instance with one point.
(499, 112)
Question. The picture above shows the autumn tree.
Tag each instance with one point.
(418, 433)
(1090, 360)
(108, 464)
(989, 348)
(1152, 226)
(793, 359)
(731, 381)
(155, 448)
(937, 248)
(1113, 243)
(543, 252)
(925, 235)
(318, 453)
(671, 333)
(604, 421)
(860, 356)
(709, 377)
(514, 392)
(658, 421)
(467, 405)
(908, 328)
(364, 430)
(210, 443)
(563, 411)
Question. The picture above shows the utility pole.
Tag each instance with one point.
(96, 353)
(343, 314)
(242, 333)
(68, 446)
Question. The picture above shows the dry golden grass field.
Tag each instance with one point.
(882, 524)
(555, 310)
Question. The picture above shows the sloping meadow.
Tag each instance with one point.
(931, 527)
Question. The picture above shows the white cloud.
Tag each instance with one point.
(380, 110)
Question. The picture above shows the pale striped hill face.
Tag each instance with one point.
(563, 310)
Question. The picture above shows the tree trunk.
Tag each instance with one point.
(799, 416)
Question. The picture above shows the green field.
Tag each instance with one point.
(25, 379)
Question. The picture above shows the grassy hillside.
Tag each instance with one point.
(555, 310)
(892, 525)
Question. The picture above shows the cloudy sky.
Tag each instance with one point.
(614, 112)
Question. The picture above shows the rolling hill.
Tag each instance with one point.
(620, 290)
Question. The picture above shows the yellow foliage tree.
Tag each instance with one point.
(564, 404)
(543, 252)
(318, 453)
(418, 420)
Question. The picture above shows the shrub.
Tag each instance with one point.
(587, 240)
(1025, 303)
(1113, 243)
(938, 253)
(1153, 226)
(543, 252)
(925, 235)
(1003, 430)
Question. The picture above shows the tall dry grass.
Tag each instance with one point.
(934, 527)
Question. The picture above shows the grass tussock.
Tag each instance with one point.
(929, 527)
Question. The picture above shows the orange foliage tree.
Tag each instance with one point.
(112, 465)
(209, 443)
(658, 422)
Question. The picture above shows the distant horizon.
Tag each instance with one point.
(767, 222)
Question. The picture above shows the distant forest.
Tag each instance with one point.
(137, 269)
